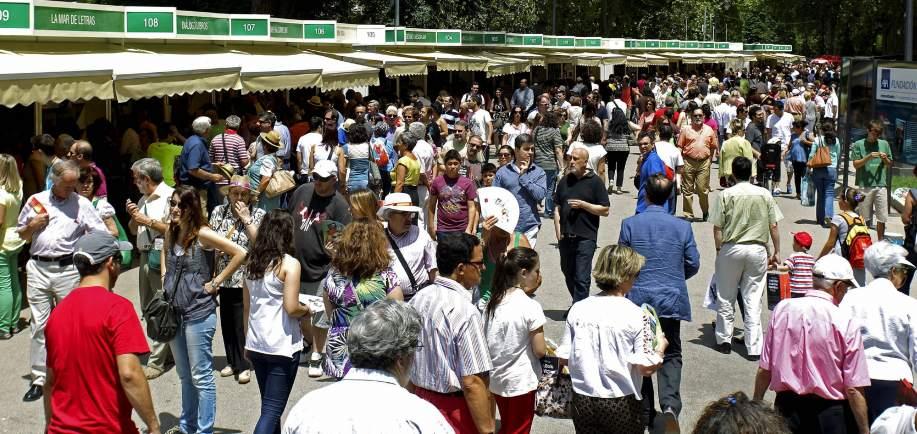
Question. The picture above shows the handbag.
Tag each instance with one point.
(822, 157)
(374, 177)
(910, 232)
(281, 182)
(163, 320)
(554, 395)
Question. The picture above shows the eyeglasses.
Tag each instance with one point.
(697, 116)
(323, 178)
(477, 264)
(505, 155)
(458, 131)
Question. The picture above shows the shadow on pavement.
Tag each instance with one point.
(555, 314)
(168, 420)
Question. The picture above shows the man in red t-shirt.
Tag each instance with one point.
(94, 338)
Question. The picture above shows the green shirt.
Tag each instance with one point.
(874, 173)
(165, 154)
(745, 214)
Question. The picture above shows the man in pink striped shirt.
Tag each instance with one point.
(813, 357)
(229, 147)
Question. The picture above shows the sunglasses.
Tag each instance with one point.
(505, 155)
(323, 178)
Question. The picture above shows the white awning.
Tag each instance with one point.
(498, 64)
(447, 61)
(596, 59)
(634, 61)
(393, 66)
(653, 59)
(535, 59)
(28, 78)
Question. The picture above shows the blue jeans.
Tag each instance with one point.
(193, 352)
(550, 179)
(275, 375)
(576, 263)
(824, 178)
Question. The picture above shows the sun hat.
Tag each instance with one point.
(835, 267)
(97, 246)
(271, 138)
(237, 181)
(397, 202)
(315, 101)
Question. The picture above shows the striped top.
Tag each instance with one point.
(800, 265)
(235, 150)
(452, 339)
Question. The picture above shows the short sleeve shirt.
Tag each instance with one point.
(697, 145)
(874, 173)
(194, 155)
(452, 202)
(589, 189)
(516, 369)
(85, 334)
(745, 213)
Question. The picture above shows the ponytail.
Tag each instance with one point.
(505, 277)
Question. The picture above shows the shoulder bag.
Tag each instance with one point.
(375, 178)
(404, 263)
(554, 394)
(281, 181)
(163, 319)
(822, 157)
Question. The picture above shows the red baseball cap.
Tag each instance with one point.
(803, 238)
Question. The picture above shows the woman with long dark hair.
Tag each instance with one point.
(329, 148)
(190, 284)
(360, 275)
(617, 147)
(273, 339)
(825, 177)
(354, 160)
(514, 327)
(515, 127)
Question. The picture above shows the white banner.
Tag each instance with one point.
(897, 84)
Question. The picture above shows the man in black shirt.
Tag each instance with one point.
(311, 205)
(579, 201)
(754, 133)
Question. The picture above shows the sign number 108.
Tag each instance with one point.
(151, 22)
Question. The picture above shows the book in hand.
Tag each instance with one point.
(314, 302)
(37, 206)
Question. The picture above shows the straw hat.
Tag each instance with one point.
(315, 101)
(237, 181)
(397, 202)
(271, 138)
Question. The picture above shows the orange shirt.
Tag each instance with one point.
(697, 145)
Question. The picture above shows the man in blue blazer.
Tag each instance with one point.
(666, 241)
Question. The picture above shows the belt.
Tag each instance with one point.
(457, 394)
(62, 261)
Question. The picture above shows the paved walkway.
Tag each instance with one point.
(707, 374)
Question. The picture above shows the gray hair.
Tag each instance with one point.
(387, 331)
(61, 167)
(391, 110)
(418, 129)
(233, 122)
(373, 104)
(409, 139)
(882, 257)
(150, 168)
(201, 125)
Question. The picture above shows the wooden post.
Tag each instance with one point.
(36, 118)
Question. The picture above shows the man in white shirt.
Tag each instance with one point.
(304, 149)
(713, 96)
(481, 125)
(149, 221)
(831, 103)
(724, 113)
(780, 125)
(887, 322)
(672, 158)
(426, 156)
(371, 397)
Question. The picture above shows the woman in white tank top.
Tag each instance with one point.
(273, 339)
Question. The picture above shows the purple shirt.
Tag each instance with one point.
(814, 347)
(102, 191)
(452, 202)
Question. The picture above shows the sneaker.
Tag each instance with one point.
(245, 376)
(611, 189)
(670, 422)
(315, 365)
(227, 371)
(789, 190)
(151, 372)
(5, 335)
(175, 430)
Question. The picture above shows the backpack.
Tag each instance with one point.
(380, 154)
(854, 245)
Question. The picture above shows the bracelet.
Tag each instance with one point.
(247, 223)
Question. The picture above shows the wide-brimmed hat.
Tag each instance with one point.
(397, 202)
(271, 138)
(237, 181)
(315, 101)
(224, 169)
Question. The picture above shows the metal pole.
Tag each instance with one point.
(166, 109)
(397, 6)
(554, 18)
(909, 31)
(36, 118)
(108, 110)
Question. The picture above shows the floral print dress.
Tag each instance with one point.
(349, 297)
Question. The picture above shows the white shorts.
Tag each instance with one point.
(876, 202)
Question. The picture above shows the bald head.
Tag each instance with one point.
(81, 152)
(579, 160)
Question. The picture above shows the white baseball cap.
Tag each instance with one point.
(325, 168)
(835, 267)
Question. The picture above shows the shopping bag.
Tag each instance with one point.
(807, 190)
(554, 395)
(710, 298)
(778, 288)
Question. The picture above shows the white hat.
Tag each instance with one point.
(774, 140)
(796, 92)
(325, 168)
(835, 267)
(397, 202)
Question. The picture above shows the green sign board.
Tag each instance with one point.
(708, 45)
(513, 39)
(202, 26)
(567, 41)
(284, 30)
(495, 38)
(78, 19)
(312, 31)
(593, 42)
(549, 41)
(532, 40)
(248, 27)
(472, 38)
(15, 16)
(449, 37)
(691, 44)
(420, 36)
(150, 22)
(672, 44)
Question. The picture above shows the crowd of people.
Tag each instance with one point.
(356, 237)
